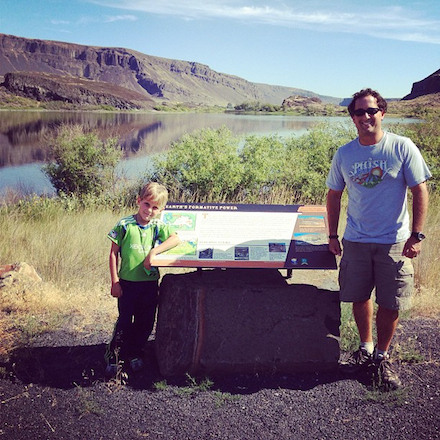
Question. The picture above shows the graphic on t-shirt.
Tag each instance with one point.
(369, 173)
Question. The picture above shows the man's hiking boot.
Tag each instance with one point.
(386, 377)
(358, 361)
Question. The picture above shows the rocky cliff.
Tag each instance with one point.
(426, 86)
(159, 78)
(74, 90)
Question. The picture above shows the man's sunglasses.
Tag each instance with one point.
(369, 110)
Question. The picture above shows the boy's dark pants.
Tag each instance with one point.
(137, 312)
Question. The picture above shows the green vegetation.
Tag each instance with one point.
(256, 106)
(426, 135)
(204, 166)
(213, 165)
(194, 386)
(305, 107)
(87, 402)
(64, 237)
(396, 399)
(10, 101)
(161, 385)
(82, 163)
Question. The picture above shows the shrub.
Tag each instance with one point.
(203, 166)
(81, 163)
(264, 162)
(309, 158)
(426, 135)
(210, 166)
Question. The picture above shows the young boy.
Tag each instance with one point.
(135, 284)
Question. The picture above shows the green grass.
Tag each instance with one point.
(195, 386)
(393, 399)
(161, 385)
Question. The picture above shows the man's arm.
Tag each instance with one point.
(333, 212)
(420, 210)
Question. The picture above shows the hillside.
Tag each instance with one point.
(417, 106)
(158, 78)
(73, 90)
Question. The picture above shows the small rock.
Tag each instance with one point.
(10, 273)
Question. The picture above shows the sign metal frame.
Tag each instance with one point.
(216, 235)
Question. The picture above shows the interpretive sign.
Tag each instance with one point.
(253, 236)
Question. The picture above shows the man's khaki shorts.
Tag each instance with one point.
(365, 266)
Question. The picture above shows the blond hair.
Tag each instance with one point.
(155, 191)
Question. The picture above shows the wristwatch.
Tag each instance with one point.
(419, 236)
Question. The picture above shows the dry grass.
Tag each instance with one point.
(69, 250)
(28, 310)
(427, 274)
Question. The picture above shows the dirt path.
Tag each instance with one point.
(56, 389)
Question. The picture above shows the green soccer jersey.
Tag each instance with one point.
(135, 242)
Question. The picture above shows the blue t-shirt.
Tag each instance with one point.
(377, 177)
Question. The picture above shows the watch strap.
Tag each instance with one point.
(418, 235)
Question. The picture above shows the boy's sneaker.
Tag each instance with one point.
(359, 360)
(111, 370)
(136, 364)
(387, 378)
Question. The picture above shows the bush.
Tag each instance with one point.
(426, 135)
(213, 166)
(210, 166)
(203, 166)
(264, 163)
(82, 163)
(309, 158)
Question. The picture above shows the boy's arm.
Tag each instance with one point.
(116, 290)
(172, 241)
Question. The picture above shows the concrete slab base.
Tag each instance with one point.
(245, 321)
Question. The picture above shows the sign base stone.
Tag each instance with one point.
(245, 321)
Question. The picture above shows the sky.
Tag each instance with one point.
(333, 48)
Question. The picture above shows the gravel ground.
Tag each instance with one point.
(56, 390)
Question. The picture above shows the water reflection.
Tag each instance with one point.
(23, 136)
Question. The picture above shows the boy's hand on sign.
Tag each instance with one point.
(148, 259)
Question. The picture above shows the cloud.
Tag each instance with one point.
(399, 23)
(113, 18)
(57, 22)
(106, 19)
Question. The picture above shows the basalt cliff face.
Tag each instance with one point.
(74, 90)
(158, 78)
(427, 86)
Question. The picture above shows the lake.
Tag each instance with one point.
(23, 134)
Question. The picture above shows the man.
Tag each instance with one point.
(379, 242)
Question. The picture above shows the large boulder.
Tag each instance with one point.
(244, 321)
